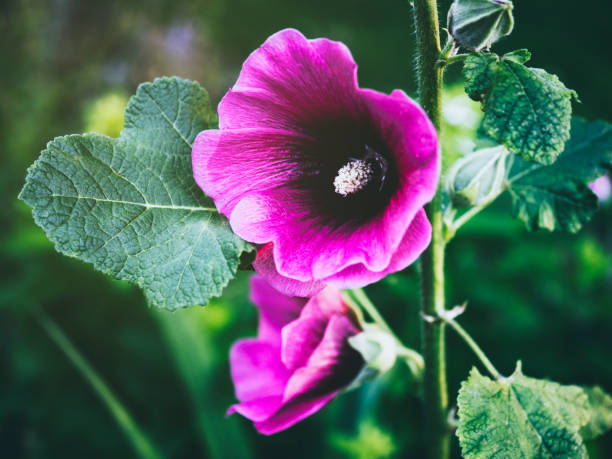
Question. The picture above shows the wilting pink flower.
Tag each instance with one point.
(327, 178)
(299, 361)
(602, 188)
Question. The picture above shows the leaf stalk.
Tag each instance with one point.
(473, 346)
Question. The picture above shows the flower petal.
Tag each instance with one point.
(332, 365)
(289, 80)
(326, 304)
(275, 309)
(257, 370)
(415, 241)
(257, 410)
(301, 337)
(292, 413)
(264, 265)
(229, 165)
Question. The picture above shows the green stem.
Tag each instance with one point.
(411, 357)
(139, 441)
(369, 307)
(467, 216)
(452, 228)
(474, 346)
(437, 432)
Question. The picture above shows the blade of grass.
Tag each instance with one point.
(139, 441)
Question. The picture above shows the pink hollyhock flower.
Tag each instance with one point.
(328, 179)
(299, 361)
(602, 188)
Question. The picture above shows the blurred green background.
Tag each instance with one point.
(68, 66)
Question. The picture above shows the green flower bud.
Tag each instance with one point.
(477, 24)
(380, 350)
(477, 178)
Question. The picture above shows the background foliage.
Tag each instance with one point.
(68, 66)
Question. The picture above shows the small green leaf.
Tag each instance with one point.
(477, 24)
(557, 197)
(479, 74)
(520, 56)
(600, 407)
(525, 109)
(130, 205)
(520, 417)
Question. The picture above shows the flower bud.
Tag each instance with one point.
(379, 350)
(477, 24)
(477, 177)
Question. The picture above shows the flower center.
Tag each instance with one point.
(353, 177)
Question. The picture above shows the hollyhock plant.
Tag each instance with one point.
(300, 359)
(328, 179)
(328, 182)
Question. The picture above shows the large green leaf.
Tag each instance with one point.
(520, 417)
(130, 205)
(525, 109)
(557, 197)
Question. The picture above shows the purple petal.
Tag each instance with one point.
(292, 413)
(233, 164)
(257, 370)
(275, 309)
(326, 304)
(289, 80)
(415, 241)
(257, 410)
(264, 265)
(332, 365)
(301, 337)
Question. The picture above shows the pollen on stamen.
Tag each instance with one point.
(353, 177)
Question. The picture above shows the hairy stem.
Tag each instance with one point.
(432, 261)
(143, 448)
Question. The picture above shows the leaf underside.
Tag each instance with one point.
(557, 197)
(130, 205)
(525, 109)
